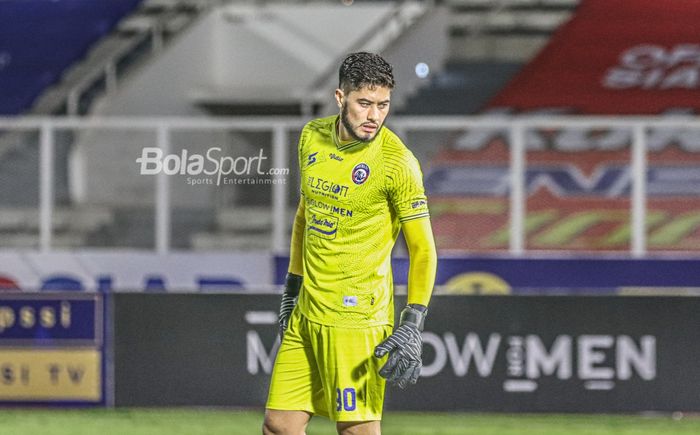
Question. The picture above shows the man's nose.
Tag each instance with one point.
(373, 113)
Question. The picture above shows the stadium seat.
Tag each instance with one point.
(62, 32)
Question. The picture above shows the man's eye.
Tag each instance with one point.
(383, 105)
(364, 104)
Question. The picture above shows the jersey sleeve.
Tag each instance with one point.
(303, 137)
(405, 187)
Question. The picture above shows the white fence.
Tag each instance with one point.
(517, 128)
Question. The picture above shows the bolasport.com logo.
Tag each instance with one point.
(211, 168)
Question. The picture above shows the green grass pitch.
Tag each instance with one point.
(189, 421)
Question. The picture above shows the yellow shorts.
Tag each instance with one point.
(329, 371)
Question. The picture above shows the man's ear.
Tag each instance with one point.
(339, 96)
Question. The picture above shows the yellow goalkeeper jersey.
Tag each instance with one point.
(356, 195)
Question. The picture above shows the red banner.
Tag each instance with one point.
(615, 57)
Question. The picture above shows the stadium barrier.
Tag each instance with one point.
(481, 353)
(262, 272)
(635, 135)
(54, 349)
(486, 353)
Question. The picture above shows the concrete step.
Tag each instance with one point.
(78, 220)
(249, 219)
(245, 220)
(226, 241)
(31, 240)
(503, 21)
(487, 5)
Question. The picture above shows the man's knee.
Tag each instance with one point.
(271, 427)
(274, 424)
(359, 428)
(285, 422)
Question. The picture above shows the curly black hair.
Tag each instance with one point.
(364, 69)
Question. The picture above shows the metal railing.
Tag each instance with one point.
(154, 35)
(517, 128)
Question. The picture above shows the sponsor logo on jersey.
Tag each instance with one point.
(350, 301)
(360, 173)
(322, 225)
(333, 209)
(312, 159)
(327, 187)
(419, 203)
(335, 157)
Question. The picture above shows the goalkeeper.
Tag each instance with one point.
(360, 186)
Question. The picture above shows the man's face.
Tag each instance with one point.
(362, 112)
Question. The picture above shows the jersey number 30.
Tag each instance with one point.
(345, 399)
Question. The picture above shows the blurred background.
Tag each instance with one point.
(149, 177)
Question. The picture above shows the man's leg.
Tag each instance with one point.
(285, 422)
(354, 390)
(296, 391)
(359, 428)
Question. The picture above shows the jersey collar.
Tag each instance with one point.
(336, 139)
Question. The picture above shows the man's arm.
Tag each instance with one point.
(423, 260)
(294, 278)
(297, 246)
(405, 344)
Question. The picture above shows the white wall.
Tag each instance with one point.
(103, 165)
(276, 52)
(237, 53)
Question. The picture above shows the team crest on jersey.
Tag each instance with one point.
(360, 173)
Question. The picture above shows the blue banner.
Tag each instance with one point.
(52, 349)
(570, 275)
(49, 320)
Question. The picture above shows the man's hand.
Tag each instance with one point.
(292, 284)
(404, 347)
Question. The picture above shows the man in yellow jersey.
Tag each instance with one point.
(360, 185)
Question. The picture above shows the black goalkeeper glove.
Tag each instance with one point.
(292, 284)
(404, 347)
